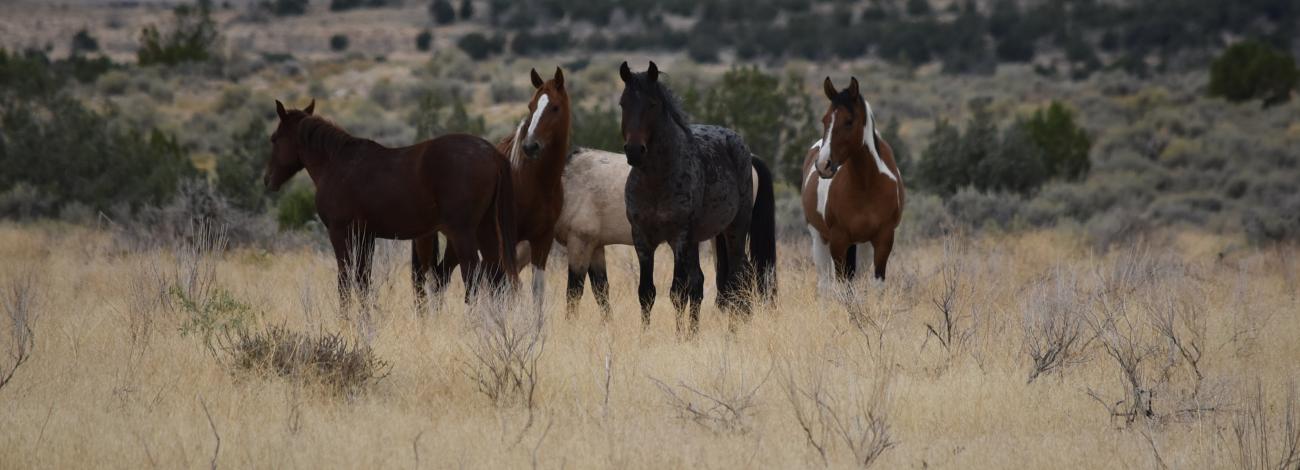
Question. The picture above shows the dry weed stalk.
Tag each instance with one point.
(1258, 437)
(722, 404)
(1054, 324)
(20, 305)
(507, 344)
(951, 300)
(829, 419)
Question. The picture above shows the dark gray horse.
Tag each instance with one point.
(690, 184)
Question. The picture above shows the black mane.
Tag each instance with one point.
(671, 103)
(320, 135)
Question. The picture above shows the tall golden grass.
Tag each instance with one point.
(112, 381)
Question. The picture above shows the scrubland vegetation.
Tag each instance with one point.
(1097, 256)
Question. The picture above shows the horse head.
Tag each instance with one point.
(643, 106)
(548, 115)
(286, 148)
(844, 127)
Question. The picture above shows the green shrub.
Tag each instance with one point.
(479, 46)
(345, 5)
(424, 40)
(193, 37)
(84, 42)
(296, 206)
(239, 172)
(442, 11)
(1251, 70)
(597, 127)
(1064, 144)
(466, 9)
(339, 42)
(285, 7)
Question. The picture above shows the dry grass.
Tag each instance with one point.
(112, 381)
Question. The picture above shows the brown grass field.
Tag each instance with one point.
(112, 382)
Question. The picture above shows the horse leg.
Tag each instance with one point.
(467, 252)
(645, 255)
(442, 268)
(541, 251)
(341, 239)
(851, 262)
(722, 277)
(882, 245)
(579, 262)
(423, 254)
(740, 273)
(365, 251)
(599, 280)
(688, 282)
(821, 254)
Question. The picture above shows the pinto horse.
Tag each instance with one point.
(536, 151)
(688, 184)
(595, 215)
(853, 192)
(457, 183)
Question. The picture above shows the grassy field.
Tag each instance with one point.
(1207, 329)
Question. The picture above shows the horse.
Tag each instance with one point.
(458, 184)
(536, 152)
(595, 215)
(688, 184)
(853, 192)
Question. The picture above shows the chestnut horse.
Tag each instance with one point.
(853, 192)
(537, 151)
(458, 184)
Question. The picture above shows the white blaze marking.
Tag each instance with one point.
(868, 139)
(816, 144)
(824, 156)
(537, 114)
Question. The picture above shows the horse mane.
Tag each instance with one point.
(672, 104)
(318, 134)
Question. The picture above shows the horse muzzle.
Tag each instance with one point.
(827, 170)
(531, 149)
(635, 153)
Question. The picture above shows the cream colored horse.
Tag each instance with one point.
(594, 215)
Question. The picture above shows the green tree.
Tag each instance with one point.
(424, 40)
(193, 37)
(1064, 144)
(285, 7)
(84, 42)
(479, 46)
(1251, 70)
(339, 42)
(942, 170)
(775, 118)
(442, 12)
(239, 172)
(296, 206)
(466, 9)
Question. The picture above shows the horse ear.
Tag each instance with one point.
(653, 73)
(279, 109)
(624, 72)
(829, 89)
(559, 77)
(537, 79)
(853, 87)
(310, 107)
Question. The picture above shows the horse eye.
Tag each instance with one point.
(555, 108)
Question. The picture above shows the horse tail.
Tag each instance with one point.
(504, 214)
(762, 232)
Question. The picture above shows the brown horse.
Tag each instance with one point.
(853, 192)
(458, 184)
(537, 152)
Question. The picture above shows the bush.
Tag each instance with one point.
(1064, 144)
(480, 47)
(285, 7)
(703, 48)
(193, 37)
(339, 42)
(1251, 70)
(239, 173)
(597, 127)
(345, 366)
(297, 206)
(84, 42)
(72, 154)
(444, 113)
(466, 9)
(424, 40)
(345, 5)
(442, 12)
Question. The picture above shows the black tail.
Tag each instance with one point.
(762, 232)
(504, 213)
